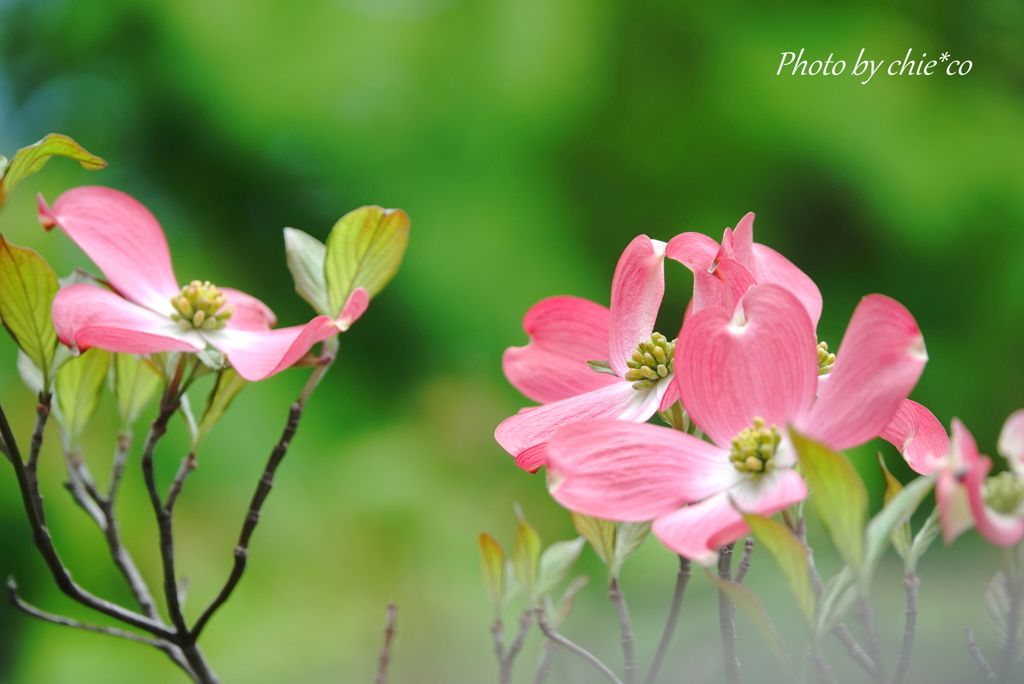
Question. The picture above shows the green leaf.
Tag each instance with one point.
(837, 598)
(135, 382)
(27, 288)
(881, 526)
(750, 605)
(600, 534)
(791, 555)
(28, 160)
(526, 556)
(492, 559)
(229, 384)
(900, 536)
(556, 562)
(923, 539)
(365, 249)
(512, 587)
(628, 539)
(838, 494)
(306, 256)
(78, 386)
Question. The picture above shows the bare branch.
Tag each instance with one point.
(618, 600)
(188, 464)
(910, 584)
(385, 653)
(979, 658)
(726, 619)
(682, 579)
(748, 551)
(554, 636)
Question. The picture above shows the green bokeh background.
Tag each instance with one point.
(529, 140)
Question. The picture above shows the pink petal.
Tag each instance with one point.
(122, 238)
(250, 313)
(637, 289)
(258, 354)
(90, 316)
(629, 472)
(671, 395)
(919, 436)
(697, 252)
(878, 363)
(954, 506)
(729, 373)
(1002, 530)
(768, 266)
(526, 434)
(698, 531)
(565, 333)
(1011, 441)
(736, 279)
(355, 307)
(743, 242)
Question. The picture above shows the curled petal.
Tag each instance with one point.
(698, 531)
(526, 434)
(878, 363)
(1011, 441)
(122, 238)
(565, 333)
(87, 316)
(919, 436)
(768, 266)
(628, 472)
(250, 313)
(765, 365)
(355, 307)
(697, 252)
(736, 279)
(1000, 529)
(637, 289)
(741, 242)
(258, 354)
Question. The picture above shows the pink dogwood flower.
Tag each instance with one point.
(148, 311)
(568, 332)
(965, 495)
(744, 378)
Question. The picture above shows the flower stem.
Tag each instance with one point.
(682, 580)
(727, 619)
(554, 636)
(618, 600)
(910, 584)
(744, 566)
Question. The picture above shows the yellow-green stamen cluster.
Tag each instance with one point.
(651, 361)
(753, 449)
(825, 360)
(1004, 492)
(200, 306)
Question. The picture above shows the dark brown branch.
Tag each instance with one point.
(188, 464)
(979, 658)
(682, 580)
(385, 653)
(910, 584)
(35, 447)
(726, 619)
(124, 443)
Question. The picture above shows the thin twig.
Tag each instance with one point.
(748, 551)
(726, 619)
(1008, 658)
(618, 600)
(35, 447)
(124, 445)
(509, 659)
(682, 579)
(554, 636)
(385, 653)
(865, 613)
(188, 464)
(910, 584)
(979, 658)
(498, 632)
(546, 656)
(824, 671)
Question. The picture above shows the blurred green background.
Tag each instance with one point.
(529, 140)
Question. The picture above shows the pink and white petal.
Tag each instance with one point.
(696, 251)
(87, 316)
(878, 363)
(526, 434)
(919, 436)
(698, 531)
(730, 371)
(1011, 441)
(736, 279)
(565, 332)
(768, 266)
(671, 394)
(355, 306)
(122, 238)
(743, 241)
(250, 313)
(637, 288)
(998, 528)
(954, 506)
(633, 472)
(258, 354)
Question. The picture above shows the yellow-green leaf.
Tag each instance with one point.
(600, 534)
(526, 556)
(306, 256)
(629, 537)
(136, 382)
(27, 288)
(78, 384)
(791, 556)
(838, 494)
(901, 535)
(229, 384)
(556, 562)
(30, 159)
(365, 249)
(752, 607)
(492, 559)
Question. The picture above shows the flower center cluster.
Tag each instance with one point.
(651, 361)
(825, 360)
(1004, 492)
(753, 448)
(200, 306)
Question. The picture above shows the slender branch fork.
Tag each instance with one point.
(176, 639)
